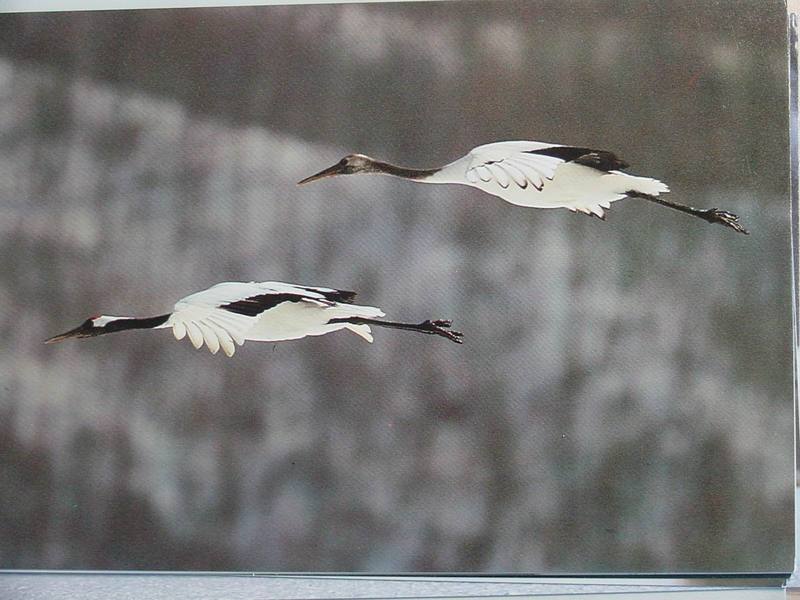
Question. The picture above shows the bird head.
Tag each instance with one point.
(350, 164)
(91, 327)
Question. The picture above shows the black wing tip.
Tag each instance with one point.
(344, 296)
(255, 305)
(332, 295)
(602, 160)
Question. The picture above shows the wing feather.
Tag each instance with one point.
(178, 330)
(512, 163)
(195, 335)
(233, 327)
(483, 172)
(223, 315)
(535, 173)
(499, 174)
(205, 323)
(514, 172)
(209, 336)
(225, 339)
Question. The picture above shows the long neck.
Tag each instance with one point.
(123, 323)
(405, 173)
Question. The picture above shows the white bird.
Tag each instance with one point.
(233, 312)
(538, 175)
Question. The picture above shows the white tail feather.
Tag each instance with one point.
(362, 331)
(645, 185)
(354, 310)
(614, 187)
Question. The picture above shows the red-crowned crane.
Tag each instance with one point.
(539, 175)
(232, 313)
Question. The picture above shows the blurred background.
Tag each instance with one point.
(623, 400)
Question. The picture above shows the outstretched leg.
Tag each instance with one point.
(439, 327)
(712, 215)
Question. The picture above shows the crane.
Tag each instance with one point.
(538, 175)
(233, 312)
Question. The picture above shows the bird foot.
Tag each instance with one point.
(723, 217)
(442, 327)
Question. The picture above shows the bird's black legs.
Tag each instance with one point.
(712, 215)
(439, 327)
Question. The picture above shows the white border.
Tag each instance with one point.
(792, 584)
(7, 6)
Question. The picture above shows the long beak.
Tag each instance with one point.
(329, 172)
(65, 336)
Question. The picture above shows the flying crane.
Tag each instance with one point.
(231, 313)
(539, 175)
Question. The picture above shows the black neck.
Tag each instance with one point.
(390, 169)
(134, 323)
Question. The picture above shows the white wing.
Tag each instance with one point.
(545, 175)
(202, 318)
(216, 327)
(511, 164)
(231, 291)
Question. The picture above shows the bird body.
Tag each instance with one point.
(538, 175)
(231, 313)
(524, 174)
(268, 311)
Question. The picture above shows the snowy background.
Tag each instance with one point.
(623, 398)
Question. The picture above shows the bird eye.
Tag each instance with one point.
(343, 162)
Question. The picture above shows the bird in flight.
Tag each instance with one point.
(231, 313)
(538, 175)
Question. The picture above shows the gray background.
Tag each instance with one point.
(623, 401)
